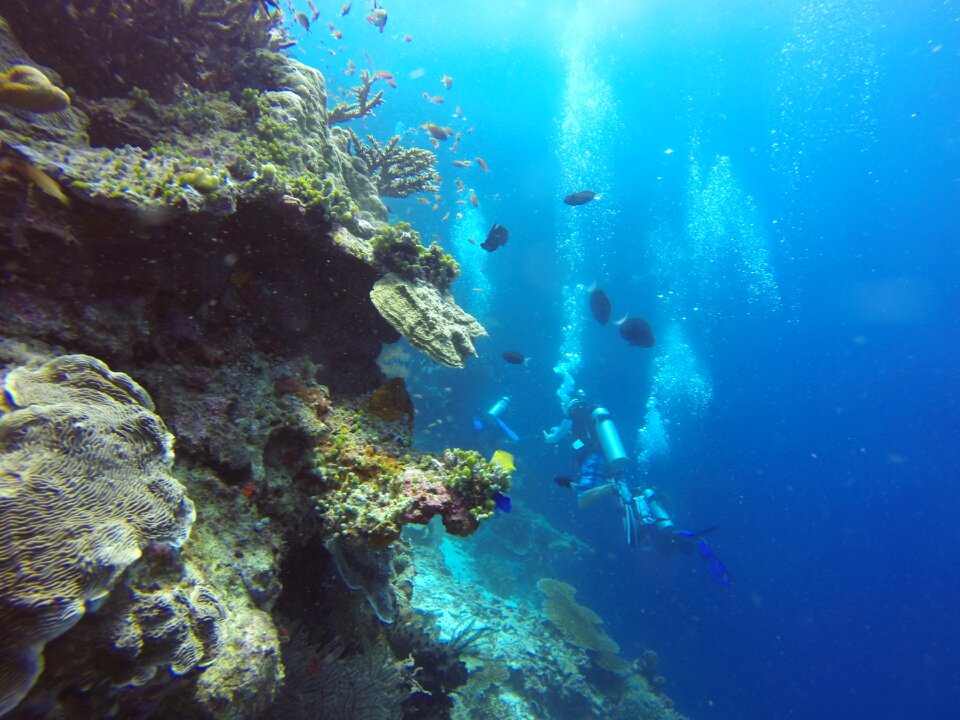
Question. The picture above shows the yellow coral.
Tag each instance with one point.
(26, 88)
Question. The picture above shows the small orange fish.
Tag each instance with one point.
(461, 202)
(332, 51)
(331, 26)
(345, 9)
(351, 68)
(445, 217)
(475, 289)
(471, 241)
(382, 75)
(437, 197)
(337, 34)
(390, 82)
(473, 199)
(316, 12)
(248, 489)
(458, 112)
(469, 131)
(435, 131)
(458, 136)
(461, 163)
(408, 38)
(459, 184)
(436, 207)
(435, 99)
(453, 148)
(423, 200)
(482, 164)
(447, 81)
(435, 143)
(377, 17)
(459, 216)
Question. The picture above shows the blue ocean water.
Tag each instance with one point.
(780, 190)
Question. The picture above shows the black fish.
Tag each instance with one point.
(581, 198)
(497, 236)
(515, 358)
(600, 305)
(636, 331)
(563, 481)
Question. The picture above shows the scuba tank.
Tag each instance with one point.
(609, 439)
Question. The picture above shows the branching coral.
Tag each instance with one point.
(396, 170)
(363, 104)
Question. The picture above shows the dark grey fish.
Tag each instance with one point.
(636, 331)
(581, 198)
(515, 358)
(563, 480)
(497, 237)
(600, 305)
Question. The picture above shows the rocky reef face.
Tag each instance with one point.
(204, 476)
(187, 250)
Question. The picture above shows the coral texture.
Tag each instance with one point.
(431, 322)
(397, 171)
(26, 88)
(579, 624)
(84, 488)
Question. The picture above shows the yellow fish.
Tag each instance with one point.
(35, 176)
(504, 460)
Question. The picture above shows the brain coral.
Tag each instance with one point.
(84, 488)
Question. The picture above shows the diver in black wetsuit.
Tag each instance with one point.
(601, 461)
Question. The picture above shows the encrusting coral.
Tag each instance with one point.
(84, 489)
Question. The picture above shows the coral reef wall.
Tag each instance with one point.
(187, 252)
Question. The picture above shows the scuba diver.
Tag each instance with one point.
(493, 418)
(602, 460)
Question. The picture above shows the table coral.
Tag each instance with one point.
(431, 322)
(579, 624)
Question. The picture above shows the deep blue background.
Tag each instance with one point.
(829, 453)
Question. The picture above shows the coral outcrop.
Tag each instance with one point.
(429, 320)
(85, 488)
(204, 229)
(520, 664)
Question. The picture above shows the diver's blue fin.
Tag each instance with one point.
(716, 567)
(477, 424)
(509, 433)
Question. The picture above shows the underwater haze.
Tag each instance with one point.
(779, 189)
